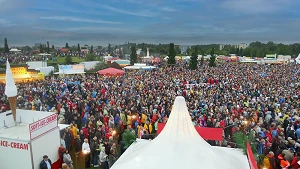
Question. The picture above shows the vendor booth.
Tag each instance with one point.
(139, 66)
(22, 74)
(70, 69)
(23, 145)
(111, 72)
(25, 135)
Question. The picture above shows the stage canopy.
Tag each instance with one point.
(111, 72)
(180, 146)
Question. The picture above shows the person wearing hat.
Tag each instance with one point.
(45, 163)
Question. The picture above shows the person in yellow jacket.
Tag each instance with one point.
(123, 118)
(144, 118)
(148, 127)
(129, 119)
(73, 128)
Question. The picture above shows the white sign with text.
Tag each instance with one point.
(42, 126)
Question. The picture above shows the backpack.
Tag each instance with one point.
(266, 162)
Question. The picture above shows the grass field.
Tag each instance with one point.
(61, 60)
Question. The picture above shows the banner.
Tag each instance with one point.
(205, 132)
(18, 70)
(42, 126)
(71, 69)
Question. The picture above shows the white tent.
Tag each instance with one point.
(298, 59)
(142, 66)
(180, 146)
(15, 50)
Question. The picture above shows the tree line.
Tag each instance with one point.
(254, 49)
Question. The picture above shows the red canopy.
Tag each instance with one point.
(111, 72)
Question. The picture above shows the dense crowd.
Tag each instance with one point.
(100, 108)
(23, 56)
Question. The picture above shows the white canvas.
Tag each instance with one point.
(179, 146)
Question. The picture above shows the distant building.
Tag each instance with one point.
(37, 44)
(183, 48)
(84, 49)
(242, 45)
(221, 46)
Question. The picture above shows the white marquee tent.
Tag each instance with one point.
(180, 146)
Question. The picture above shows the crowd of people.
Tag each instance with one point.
(22, 57)
(99, 108)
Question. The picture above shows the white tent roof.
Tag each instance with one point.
(179, 146)
(14, 50)
(44, 54)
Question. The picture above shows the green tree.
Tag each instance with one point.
(91, 57)
(68, 60)
(128, 137)
(41, 48)
(133, 56)
(26, 48)
(78, 47)
(212, 59)
(241, 52)
(144, 49)
(73, 48)
(67, 45)
(177, 49)
(92, 49)
(237, 51)
(6, 49)
(172, 54)
(101, 65)
(194, 60)
(202, 60)
(48, 47)
(52, 47)
(109, 49)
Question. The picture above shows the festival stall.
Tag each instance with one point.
(180, 146)
(139, 66)
(25, 134)
(111, 72)
(70, 69)
(22, 74)
(36, 134)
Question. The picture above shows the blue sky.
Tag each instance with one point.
(100, 22)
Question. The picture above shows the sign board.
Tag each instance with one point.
(71, 69)
(19, 70)
(42, 126)
(14, 145)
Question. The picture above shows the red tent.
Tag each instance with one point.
(111, 72)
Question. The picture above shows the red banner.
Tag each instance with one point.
(251, 159)
(205, 132)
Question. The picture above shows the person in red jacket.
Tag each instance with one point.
(294, 163)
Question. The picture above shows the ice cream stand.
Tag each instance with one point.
(25, 135)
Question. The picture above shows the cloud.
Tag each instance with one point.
(7, 6)
(122, 11)
(168, 9)
(75, 19)
(255, 6)
(101, 29)
(191, 0)
(4, 22)
(69, 10)
(167, 18)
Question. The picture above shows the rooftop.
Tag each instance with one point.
(9, 130)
